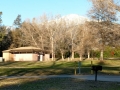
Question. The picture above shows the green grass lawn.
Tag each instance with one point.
(57, 67)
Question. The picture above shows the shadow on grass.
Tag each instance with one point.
(110, 70)
(17, 64)
(6, 63)
(57, 84)
(34, 71)
(63, 65)
(54, 68)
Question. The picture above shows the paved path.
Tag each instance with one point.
(83, 77)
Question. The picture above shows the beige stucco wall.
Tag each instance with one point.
(6, 56)
(25, 57)
(47, 57)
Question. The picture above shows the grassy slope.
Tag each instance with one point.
(57, 67)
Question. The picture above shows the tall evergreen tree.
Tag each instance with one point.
(17, 22)
(0, 18)
(16, 33)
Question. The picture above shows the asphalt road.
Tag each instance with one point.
(83, 77)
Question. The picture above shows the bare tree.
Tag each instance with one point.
(90, 40)
(103, 13)
(41, 33)
(71, 33)
(84, 40)
(80, 43)
(62, 38)
(29, 33)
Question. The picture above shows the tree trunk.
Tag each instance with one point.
(42, 43)
(101, 55)
(52, 48)
(88, 54)
(62, 56)
(72, 55)
(80, 57)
